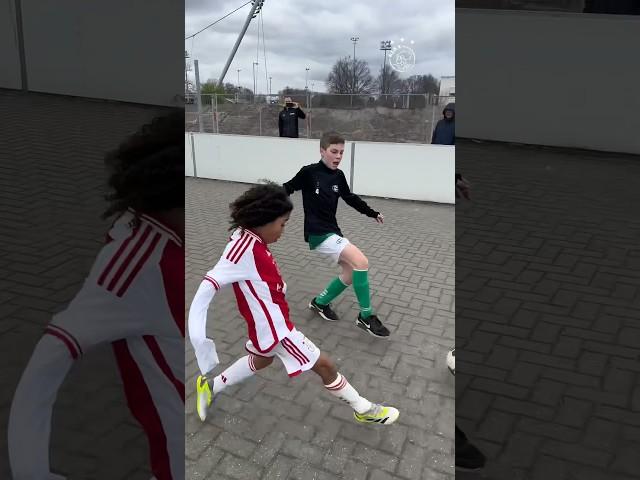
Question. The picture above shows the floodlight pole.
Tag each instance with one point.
(255, 9)
(385, 45)
(353, 89)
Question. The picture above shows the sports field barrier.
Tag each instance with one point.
(546, 86)
(391, 170)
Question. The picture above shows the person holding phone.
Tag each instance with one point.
(288, 118)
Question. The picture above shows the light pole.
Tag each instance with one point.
(186, 71)
(238, 92)
(354, 40)
(255, 85)
(270, 86)
(306, 79)
(385, 45)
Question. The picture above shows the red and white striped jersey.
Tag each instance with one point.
(248, 266)
(133, 298)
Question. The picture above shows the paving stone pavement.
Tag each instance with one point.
(548, 308)
(51, 197)
(271, 427)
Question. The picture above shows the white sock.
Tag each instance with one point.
(344, 391)
(242, 369)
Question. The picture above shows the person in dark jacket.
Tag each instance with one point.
(445, 131)
(288, 118)
(322, 185)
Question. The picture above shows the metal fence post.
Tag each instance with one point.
(193, 157)
(433, 116)
(215, 113)
(198, 95)
(427, 96)
(353, 162)
(309, 117)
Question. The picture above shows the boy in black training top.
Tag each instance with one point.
(322, 184)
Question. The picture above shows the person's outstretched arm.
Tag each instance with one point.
(356, 202)
(30, 417)
(226, 272)
(101, 312)
(296, 183)
(205, 348)
(92, 319)
(301, 114)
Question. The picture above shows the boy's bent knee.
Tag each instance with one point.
(261, 362)
(325, 364)
(363, 263)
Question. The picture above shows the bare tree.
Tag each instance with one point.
(341, 78)
(391, 83)
(421, 84)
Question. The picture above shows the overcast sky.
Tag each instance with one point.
(302, 33)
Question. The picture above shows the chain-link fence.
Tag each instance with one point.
(403, 118)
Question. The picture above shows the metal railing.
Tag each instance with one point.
(404, 118)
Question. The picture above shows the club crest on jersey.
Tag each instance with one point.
(335, 188)
(308, 344)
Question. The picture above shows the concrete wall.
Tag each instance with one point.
(543, 87)
(244, 158)
(404, 171)
(117, 50)
(9, 56)
(408, 171)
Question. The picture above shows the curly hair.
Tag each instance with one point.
(146, 172)
(259, 205)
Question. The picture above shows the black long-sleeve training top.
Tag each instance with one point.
(288, 121)
(321, 187)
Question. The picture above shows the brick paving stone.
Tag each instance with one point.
(548, 292)
(313, 435)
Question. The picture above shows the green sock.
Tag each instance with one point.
(361, 286)
(333, 289)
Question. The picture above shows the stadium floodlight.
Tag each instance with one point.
(354, 40)
(385, 45)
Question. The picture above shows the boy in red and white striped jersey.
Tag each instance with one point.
(258, 219)
(133, 298)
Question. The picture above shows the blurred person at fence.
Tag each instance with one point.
(288, 118)
(445, 131)
(468, 456)
(132, 298)
(258, 218)
(463, 187)
(322, 185)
